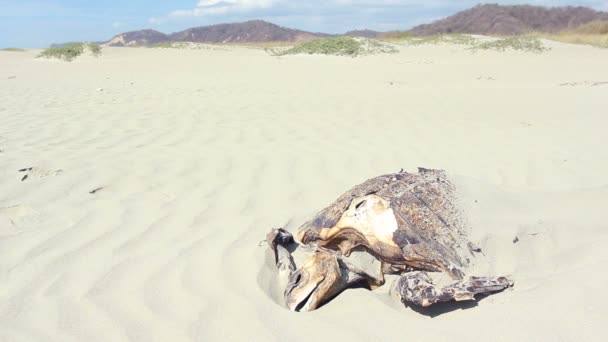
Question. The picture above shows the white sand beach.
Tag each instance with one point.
(157, 172)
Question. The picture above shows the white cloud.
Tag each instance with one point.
(215, 7)
(118, 24)
(157, 21)
(244, 3)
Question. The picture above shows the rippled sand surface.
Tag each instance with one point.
(151, 176)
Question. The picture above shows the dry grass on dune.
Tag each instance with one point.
(594, 27)
(585, 39)
(594, 33)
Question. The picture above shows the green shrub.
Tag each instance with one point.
(95, 49)
(12, 49)
(517, 43)
(338, 46)
(69, 52)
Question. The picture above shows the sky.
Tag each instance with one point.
(39, 23)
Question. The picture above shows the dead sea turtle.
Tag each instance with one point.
(408, 223)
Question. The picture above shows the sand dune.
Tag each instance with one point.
(156, 173)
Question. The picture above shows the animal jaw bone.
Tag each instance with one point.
(315, 275)
(313, 283)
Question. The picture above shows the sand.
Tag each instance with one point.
(193, 155)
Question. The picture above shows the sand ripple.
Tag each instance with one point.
(195, 155)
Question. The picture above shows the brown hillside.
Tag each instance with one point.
(249, 31)
(141, 37)
(493, 19)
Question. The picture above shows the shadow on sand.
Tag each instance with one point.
(443, 308)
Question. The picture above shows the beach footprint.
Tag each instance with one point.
(584, 84)
(15, 219)
(20, 218)
(36, 172)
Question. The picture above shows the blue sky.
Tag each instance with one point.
(38, 23)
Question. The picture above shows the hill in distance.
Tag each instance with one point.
(249, 31)
(488, 19)
(141, 37)
(364, 33)
(493, 19)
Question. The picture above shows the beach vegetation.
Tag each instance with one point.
(337, 46)
(70, 51)
(528, 43)
(405, 38)
(594, 33)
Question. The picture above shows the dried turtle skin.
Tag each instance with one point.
(418, 288)
(421, 228)
(408, 222)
